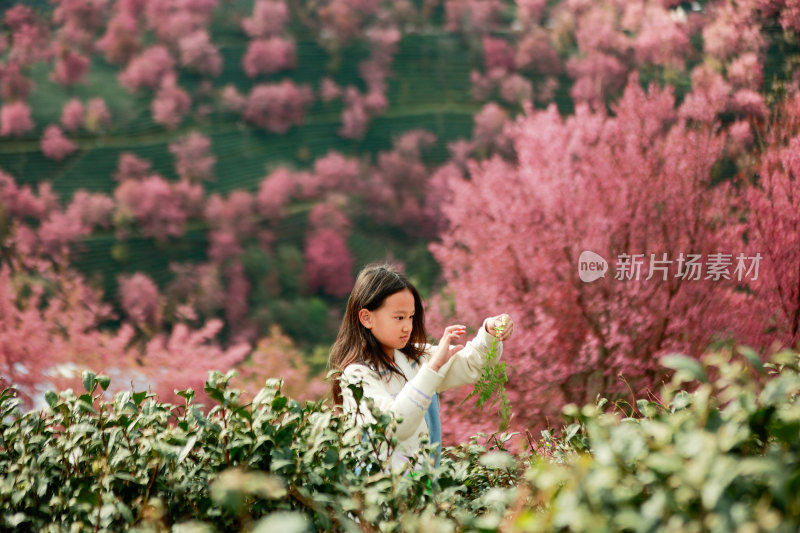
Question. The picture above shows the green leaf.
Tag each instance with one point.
(752, 357)
(685, 367)
(89, 381)
(51, 398)
(104, 381)
(187, 449)
(279, 402)
(138, 398)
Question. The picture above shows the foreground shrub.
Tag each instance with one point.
(89, 463)
(717, 450)
(725, 457)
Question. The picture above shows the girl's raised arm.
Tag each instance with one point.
(464, 367)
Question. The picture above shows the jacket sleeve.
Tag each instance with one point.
(410, 403)
(465, 366)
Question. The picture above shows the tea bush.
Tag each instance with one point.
(90, 463)
(718, 449)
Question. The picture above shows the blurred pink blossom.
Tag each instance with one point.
(497, 53)
(15, 119)
(97, 114)
(131, 167)
(535, 51)
(193, 158)
(148, 69)
(746, 72)
(329, 90)
(72, 115)
(55, 145)
(198, 53)
(277, 106)
(14, 85)
(141, 300)
(265, 56)
(268, 19)
(70, 68)
(329, 264)
(232, 99)
(92, 209)
(274, 192)
(170, 104)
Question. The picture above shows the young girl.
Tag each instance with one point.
(382, 346)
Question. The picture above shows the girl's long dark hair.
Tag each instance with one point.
(357, 344)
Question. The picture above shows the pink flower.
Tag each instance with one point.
(232, 99)
(746, 72)
(131, 167)
(97, 114)
(70, 68)
(748, 102)
(266, 56)
(329, 91)
(274, 192)
(355, 118)
(200, 54)
(72, 115)
(489, 124)
(147, 69)
(92, 209)
(529, 12)
(269, 18)
(497, 53)
(277, 106)
(194, 160)
(329, 264)
(59, 231)
(535, 51)
(121, 40)
(170, 104)
(15, 119)
(516, 89)
(472, 16)
(14, 85)
(55, 145)
(140, 299)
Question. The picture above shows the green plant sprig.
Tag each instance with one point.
(491, 383)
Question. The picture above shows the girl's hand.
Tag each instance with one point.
(501, 326)
(443, 350)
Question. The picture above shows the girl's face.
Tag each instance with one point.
(392, 322)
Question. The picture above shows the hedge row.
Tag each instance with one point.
(718, 449)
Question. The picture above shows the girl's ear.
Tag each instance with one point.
(365, 317)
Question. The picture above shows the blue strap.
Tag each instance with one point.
(435, 426)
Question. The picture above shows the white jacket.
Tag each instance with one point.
(410, 399)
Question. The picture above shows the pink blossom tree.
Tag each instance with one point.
(265, 56)
(637, 182)
(268, 19)
(72, 115)
(193, 159)
(15, 119)
(158, 207)
(97, 116)
(147, 69)
(71, 67)
(771, 201)
(198, 53)
(141, 300)
(55, 144)
(170, 104)
(276, 107)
